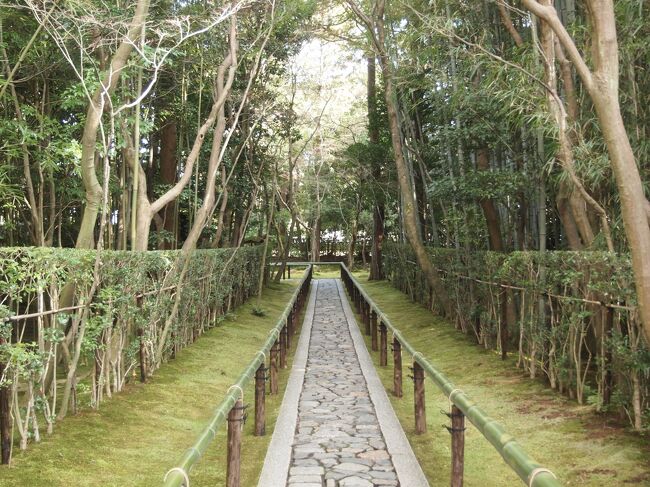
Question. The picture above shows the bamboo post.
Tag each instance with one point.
(142, 351)
(397, 368)
(457, 431)
(289, 328)
(235, 420)
(275, 350)
(373, 331)
(418, 396)
(608, 377)
(294, 317)
(283, 347)
(503, 325)
(383, 346)
(260, 398)
(366, 316)
(5, 419)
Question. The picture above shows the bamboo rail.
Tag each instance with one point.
(529, 471)
(231, 407)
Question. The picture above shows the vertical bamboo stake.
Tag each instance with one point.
(260, 398)
(383, 346)
(418, 395)
(275, 350)
(608, 378)
(373, 331)
(289, 328)
(294, 317)
(457, 431)
(397, 368)
(5, 419)
(283, 347)
(235, 418)
(143, 355)
(366, 316)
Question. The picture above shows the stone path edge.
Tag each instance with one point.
(408, 469)
(275, 470)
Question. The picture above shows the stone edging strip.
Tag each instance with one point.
(408, 469)
(278, 456)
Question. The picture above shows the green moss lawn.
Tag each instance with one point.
(581, 447)
(141, 433)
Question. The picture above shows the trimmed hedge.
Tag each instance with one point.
(568, 316)
(116, 337)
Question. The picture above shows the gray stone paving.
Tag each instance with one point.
(338, 441)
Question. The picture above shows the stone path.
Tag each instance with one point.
(336, 426)
(338, 439)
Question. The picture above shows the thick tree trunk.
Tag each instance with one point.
(168, 167)
(631, 195)
(490, 211)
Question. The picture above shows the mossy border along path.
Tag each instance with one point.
(578, 445)
(135, 438)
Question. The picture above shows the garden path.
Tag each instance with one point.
(345, 432)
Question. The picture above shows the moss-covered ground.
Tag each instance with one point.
(141, 433)
(581, 447)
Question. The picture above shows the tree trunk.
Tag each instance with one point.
(376, 269)
(86, 235)
(315, 238)
(490, 211)
(602, 85)
(221, 220)
(168, 166)
(409, 209)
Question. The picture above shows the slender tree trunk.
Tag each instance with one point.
(93, 189)
(222, 210)
(315, 236)
(409, 208)
(376, 269)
